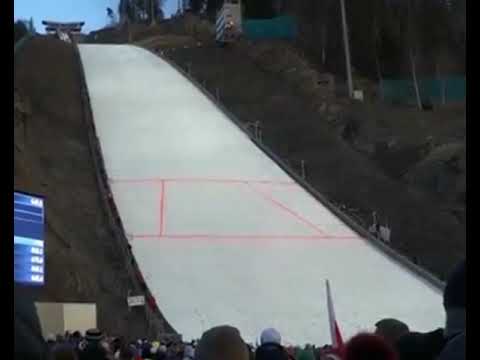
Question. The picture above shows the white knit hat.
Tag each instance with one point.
(270, 335)
(189, 352)
(331, 357)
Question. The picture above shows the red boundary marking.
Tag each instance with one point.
(300, 218)
(212, 180)
(162, 208)
(268, 197)
(244, 237)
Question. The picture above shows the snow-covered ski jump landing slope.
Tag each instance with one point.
(221, 233)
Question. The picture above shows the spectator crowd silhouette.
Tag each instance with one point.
(392, 340)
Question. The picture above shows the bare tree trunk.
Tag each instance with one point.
(145, 12)
(324, 42)
(412, 53)
(442, 83)
(378, 66)
(379, 75)
(346, 43)
(152, 12)
(414, 77)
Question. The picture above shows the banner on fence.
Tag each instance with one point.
(282, 27)
(436, 91)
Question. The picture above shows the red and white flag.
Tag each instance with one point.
(337, 340)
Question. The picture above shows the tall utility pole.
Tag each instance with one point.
(152, 12)
(347, 49)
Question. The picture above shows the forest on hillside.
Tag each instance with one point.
(388, 38)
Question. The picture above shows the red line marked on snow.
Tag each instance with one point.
(288, 210)
(200, 180)
(247, 237)
(285, 184)
(243, 237)
(147, 236)
(162, 208)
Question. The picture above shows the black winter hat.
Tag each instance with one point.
(455, 291)
(93, 335)
(420, 346)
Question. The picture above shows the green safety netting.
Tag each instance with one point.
(452, 88)
(282, 27)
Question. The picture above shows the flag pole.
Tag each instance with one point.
(336, 336)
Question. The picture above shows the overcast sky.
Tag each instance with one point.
(93, 12)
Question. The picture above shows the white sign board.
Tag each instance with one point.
(385, 233)
(358, 95)
(136, 301)
(56, 318)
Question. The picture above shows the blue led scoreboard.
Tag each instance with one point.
(28, 239)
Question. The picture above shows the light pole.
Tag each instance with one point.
(347, 49)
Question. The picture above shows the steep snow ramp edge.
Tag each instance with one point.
(221, 233)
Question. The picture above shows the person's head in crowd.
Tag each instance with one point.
(454, 297)
(221, 343)
(105, 345)
(76, 337)
(82, 345)
(391, 329)
(421, 346)
(116, 344)
(330, 357)
(172, 349)
(51, 340)
(306, 354)
(270, 336)
(189, 352)
(251, 351)
(63, 352)
(126, 352)
(94, 347)
(454, 301)
(146, 350)
(93, 336)
(271, 346)
(455, 348)
(155, 346)
(290, 352)
(29, 342)
(318, 352)
(161, 352)
(59, 339)
(369, 347)
(327, 347)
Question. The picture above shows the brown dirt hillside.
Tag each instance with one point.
(52, 157)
